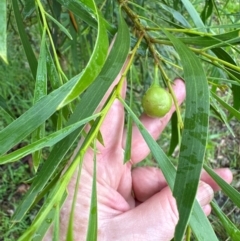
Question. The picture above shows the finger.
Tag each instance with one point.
(148, 181)
(207, 209)
(152, 220)
(154, 126)
(224, 173)
(109, 91)
(112, 127)
(115, 82)
(205, 194)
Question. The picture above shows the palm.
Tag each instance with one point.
(114, 179)
(131, 203)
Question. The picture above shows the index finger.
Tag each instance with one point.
(155, 126)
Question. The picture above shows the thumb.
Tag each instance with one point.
(154, 219)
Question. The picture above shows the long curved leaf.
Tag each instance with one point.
(92, 231)
(194, 15)
(96, 61)
(85, 108)
(25, 42)
(222, 54)
(78, 8)
(231, 192)
(39, 92)
(198, 220)
(194, 136)
(34, 117)
(229, 226)
(47, 141)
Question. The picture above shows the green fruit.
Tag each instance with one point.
(156, 102)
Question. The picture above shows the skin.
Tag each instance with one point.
(149, 214)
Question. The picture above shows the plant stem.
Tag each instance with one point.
(184, 30)
(156, 81)
(168, 82)
(42, 11)
(151, 47)
(215, 59)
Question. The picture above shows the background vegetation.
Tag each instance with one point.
(50, 47)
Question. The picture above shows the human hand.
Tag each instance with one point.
(149, 214)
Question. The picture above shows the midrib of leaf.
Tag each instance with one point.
(194, 136)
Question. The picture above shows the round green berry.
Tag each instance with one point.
(157, 101)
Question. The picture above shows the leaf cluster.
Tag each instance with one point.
(73, 67)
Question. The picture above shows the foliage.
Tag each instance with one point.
(66, 46)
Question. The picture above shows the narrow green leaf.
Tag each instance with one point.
(45, 226)
(176, 4)
(95, 63)
(62, 28)
(73, 48)
(231, 229)
(92, 231)
(29, 8)
(207, 10)
(128, 145)
(99, 135)
(222, 54)
(54, 199)
(215, 5)
(3, 30)
(70, 234)
(221, 114)
(56, 226)
(51, 216)
(25, 42)
(231, 110)
(39, 92)
(174, 134)
(47, 141)
(84, 13)
(194, 15)
(5, 115)
(194, 135)
(198, 220)
(34, 117)
(77, 8)
(232, 193)
(3, 105)
(89, 102)
(41, 77)
(220, 40)
(53, 76)
(223, 81)
(165, 164)
(177, 15)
